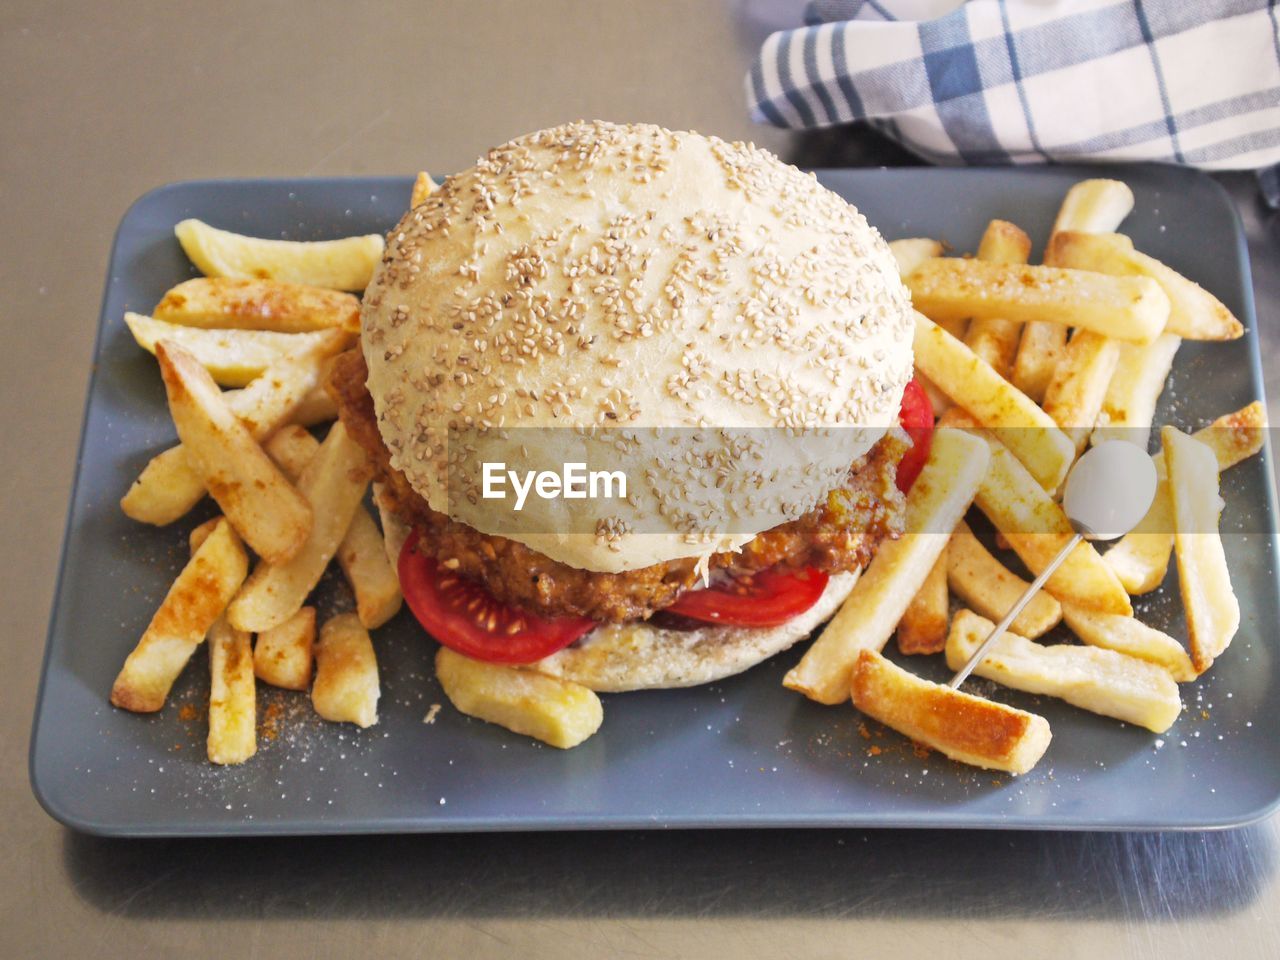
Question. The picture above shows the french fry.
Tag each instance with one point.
(232, 704)
(271, 516)
(1093, 206)
(282, 656)
(1079, 384)
(423, 187)
(1141, 557)
(1235, 436)
(346, 688)
(1213, 612)
(168, 488)
(363, 558)
(196, 599)
(993, 339)
(912, 252)
(1100, 681)
(333, 483)
(229, 303)
(200, 534)
(1130, 636)
(345, 264)
(1036, 529)
(952, 288)
(234, 358)
(923, 627)
(989, 587)
(1039, 352)
(362, 553)
(937, 501)
(1004, 242)
(1194, 313)
(317, 407)
(557, 712)
(1129, 406)
(995, 403)
(395, 532)
(958, 725)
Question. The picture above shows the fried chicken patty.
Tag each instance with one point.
(841, 534)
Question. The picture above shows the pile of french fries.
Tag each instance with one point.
(264, 321)
(1027, 365)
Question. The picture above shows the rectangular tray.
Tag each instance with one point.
(741, 753)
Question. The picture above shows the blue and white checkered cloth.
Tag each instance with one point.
(1193, 82)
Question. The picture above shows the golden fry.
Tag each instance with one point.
(1194, 313)
(937, 501)
(346, 688)
(1026, 429)
(1130, 636)
(233, 710)
(1126, 308)
(1213, 612)
(234, 358)
(345, 264)
(167, 489)
(271, 516)
(1100, 681)
(1129, 407)
(196, 599)
(283, 654)
(557, 712)
(1078, 388)
(957, 724)
(923, 627)
(227, 303)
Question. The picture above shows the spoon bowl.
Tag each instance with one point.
(1109, 490)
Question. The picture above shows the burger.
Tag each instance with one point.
(726, 332)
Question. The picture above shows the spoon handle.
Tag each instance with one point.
(1003, 625)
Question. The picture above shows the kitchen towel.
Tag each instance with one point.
(1194, 82)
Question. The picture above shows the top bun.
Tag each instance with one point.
(599, 275)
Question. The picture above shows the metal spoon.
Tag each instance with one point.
(1108, 492)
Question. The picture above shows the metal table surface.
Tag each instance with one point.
(98, 106)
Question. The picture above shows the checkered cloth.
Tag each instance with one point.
(1194, 82)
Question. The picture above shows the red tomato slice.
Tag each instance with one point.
(763, 599)
(465, 617)
(916, 417)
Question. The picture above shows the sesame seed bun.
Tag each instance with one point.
(638, 655)
(597, 275)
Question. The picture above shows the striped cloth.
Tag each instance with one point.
(1193, 82)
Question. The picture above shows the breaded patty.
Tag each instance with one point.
(841, 534)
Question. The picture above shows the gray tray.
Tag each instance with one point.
(743, 753)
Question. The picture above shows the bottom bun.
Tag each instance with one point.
(640, 656)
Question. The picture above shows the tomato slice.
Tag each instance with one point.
(916, 417)
(465, 617)
(763, 599)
